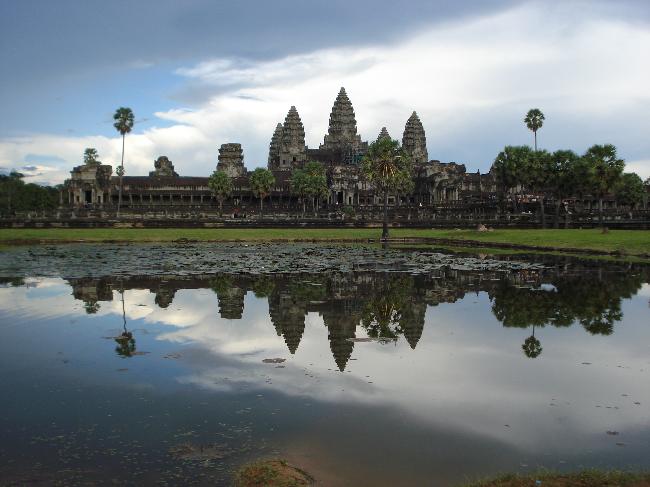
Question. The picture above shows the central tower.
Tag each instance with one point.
(342, 140)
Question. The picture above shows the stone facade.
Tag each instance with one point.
(89, 184)
(231, 160)
(163, 167)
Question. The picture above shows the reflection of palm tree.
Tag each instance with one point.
(382, 315)
(532, 347)
(125, 342)
(91, 307)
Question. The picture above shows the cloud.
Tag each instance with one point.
(471, 83)
(641, 167)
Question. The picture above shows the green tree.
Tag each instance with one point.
(532, 347)
(606, 170)
(534, 120)
(16, 195)
(630, 190)
(123, 123)
(91, 156)
(536, 176)
(383, 312)
(221, 185)
(509, 169)
(261, 182)
(388, 168)
(562, 180)
(299, 186)
(10, 187)
(316, 180)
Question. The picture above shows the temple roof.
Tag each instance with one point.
(383, 134)
(293, 132)
(342, 130)
(414, 140)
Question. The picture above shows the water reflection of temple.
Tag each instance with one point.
(392, 306)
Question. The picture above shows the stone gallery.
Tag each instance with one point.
(95, 186)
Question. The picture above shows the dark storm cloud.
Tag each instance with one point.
(42, 37)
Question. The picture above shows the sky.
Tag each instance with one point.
(201, 73)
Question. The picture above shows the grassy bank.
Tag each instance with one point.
(589, 478)
(630, 242)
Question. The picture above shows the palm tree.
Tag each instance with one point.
(606, 170)
(534, 121)
(221, 185)
(509, 169)
(299, 186)
(123, 124)
(125, 342)
(91, 156)
(261, 181)
(316, 182)
(532, 347)
(388, 168)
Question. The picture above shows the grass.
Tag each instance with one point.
(630, 242)
(587, 478)
(271, 473)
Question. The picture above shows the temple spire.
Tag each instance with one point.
(414, 141)
(292, 142)
(274, 148)
(383, 134)
(342, 137)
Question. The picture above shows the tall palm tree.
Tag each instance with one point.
(261, 182)
(534, 121)
(123, 124)
(388, 168)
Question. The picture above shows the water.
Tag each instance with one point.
(388, 375)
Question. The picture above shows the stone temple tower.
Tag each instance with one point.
(383, 134)
(231, 160)
(342, 137)
(293, 151)
(274, 148)
(414, 142)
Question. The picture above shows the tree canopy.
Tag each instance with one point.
(16, 195)
(534, 120)
(389, 169)
(91, 157)
(309, 182)
(221, 185)
(123, 120)
(630, 190)
(261, 182)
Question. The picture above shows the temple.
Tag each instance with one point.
(95, 187)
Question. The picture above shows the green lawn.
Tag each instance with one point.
(587, 478)
(631, 242)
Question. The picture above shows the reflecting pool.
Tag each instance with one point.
(412, 373)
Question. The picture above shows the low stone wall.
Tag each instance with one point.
(319, 223)
(449, 216)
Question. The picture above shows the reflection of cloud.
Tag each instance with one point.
(470, 80)
(645, 290)
(467, 371)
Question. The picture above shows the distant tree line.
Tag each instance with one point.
(16, 195)
(563, 174)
